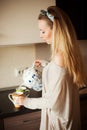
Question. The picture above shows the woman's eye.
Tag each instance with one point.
(43, 32)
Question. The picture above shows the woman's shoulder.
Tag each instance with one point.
(59, 60)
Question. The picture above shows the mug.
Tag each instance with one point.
(14, 99)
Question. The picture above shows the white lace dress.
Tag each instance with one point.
(59, 103)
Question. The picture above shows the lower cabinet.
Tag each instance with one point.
(83, 105)
(29, 121)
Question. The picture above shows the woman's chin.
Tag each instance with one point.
(48, 43)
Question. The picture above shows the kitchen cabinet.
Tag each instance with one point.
(18, 21)
(28, 121)
(18, 119)
(83, 108)
(84, 113)
(76, 10)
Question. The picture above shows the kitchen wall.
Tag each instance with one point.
(83, 47)
(18, 20)
(20, 57)
(12, 58)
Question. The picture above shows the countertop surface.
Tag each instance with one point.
(83, 93)
(7, 108)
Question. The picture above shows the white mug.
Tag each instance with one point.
(14, 99)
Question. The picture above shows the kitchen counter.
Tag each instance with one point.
(8, 113)
(83, 93)
(7, 108)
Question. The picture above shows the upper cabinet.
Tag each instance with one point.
(77, 11)
(18, 20)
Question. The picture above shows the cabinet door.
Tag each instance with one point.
(1, 124)
(76, 10)
(29, 121)
(18, 20)
(83, 105)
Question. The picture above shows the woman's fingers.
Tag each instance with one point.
(37, 63)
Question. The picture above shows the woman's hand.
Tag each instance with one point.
(37, 63)
(40, 63)
(20, 100)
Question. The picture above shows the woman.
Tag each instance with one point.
(62, 77)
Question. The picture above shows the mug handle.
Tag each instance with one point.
(10, 97)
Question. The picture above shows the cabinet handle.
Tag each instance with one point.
(33, 120)
(25, 121)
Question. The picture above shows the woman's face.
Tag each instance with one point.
(45, 31)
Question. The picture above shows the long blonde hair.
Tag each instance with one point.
(65, 41)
